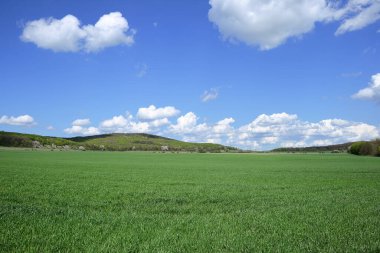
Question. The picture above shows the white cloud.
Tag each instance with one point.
(62, 35)
(116, 121)
(372, 92)
(213, 140)
(269, 140)
(159, 122)
(276, 118)
(270, 131)
(23, 120)
(293, 144)
(223, 126)
(82, 130)
(109, 31)
(288, 130)
(138, 127)
(50, 128)
(81, 122)
(67, 34)
(188, 129)
(264, 132)
(152, 113)
(153, 121)
(187, 124)
(121, 124)
(78, 127)
(268, 24)
(361, 131)
(209, 95)
(243, 136)
(321, 143)
(361, 13)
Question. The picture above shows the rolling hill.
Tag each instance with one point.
(329, 148)
(111, 142)
(371, 148)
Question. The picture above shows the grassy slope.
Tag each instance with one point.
(114, 201)
(11, 139)
(145, 142)
(111, 142)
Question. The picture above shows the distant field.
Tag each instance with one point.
(153, 202)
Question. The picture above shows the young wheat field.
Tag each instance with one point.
(155, 202)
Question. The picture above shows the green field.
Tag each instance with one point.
(154, 202)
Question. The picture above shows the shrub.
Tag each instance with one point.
(363, 148)
(368, 149)
(355, 148)
(15, 141)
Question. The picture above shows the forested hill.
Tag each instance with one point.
(111, 142)
(370, 148)
(330, 148)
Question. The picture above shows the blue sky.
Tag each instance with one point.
(203, 71)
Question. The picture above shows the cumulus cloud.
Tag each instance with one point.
(78, 127)
(159, 122)
(81, 122)
(187, 124)
(116, 121)
(265, 131)
(372, 92)
(270, 131)
(58, 35)
(67, 34)
(276, 118)
(188, 129)
(152, 113)
(23, 120)
(150, 120)
(82, 130)
(209, 95)
(223, 126)
(287, 130)
(268, 24)
(121, 124)
(269, 140)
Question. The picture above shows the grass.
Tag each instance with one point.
(144, 202)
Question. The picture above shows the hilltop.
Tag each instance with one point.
(110, 142)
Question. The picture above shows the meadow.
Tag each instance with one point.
(154, 202)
